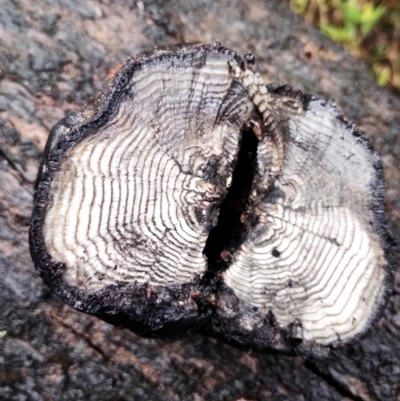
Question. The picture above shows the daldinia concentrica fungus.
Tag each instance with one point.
(189, 196)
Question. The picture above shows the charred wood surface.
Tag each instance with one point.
(53, 57)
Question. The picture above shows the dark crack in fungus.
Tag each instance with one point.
(190, 197)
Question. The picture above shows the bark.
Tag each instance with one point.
(53, 56)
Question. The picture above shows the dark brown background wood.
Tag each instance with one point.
(53, 56)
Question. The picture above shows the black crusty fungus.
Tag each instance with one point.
(188, 196)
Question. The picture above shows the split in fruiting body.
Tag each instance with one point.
(190, 197)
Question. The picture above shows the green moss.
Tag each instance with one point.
(370, 28)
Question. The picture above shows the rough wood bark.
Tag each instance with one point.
(53, 57)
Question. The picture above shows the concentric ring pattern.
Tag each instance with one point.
(314, 257)
(189, 196)
(135, 202)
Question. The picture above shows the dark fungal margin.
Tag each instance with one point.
(223, 196)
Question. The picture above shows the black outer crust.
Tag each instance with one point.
(156, 313)
(147, 311)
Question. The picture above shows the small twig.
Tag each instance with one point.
(393, 209)
(86, 338)
(332, 382)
